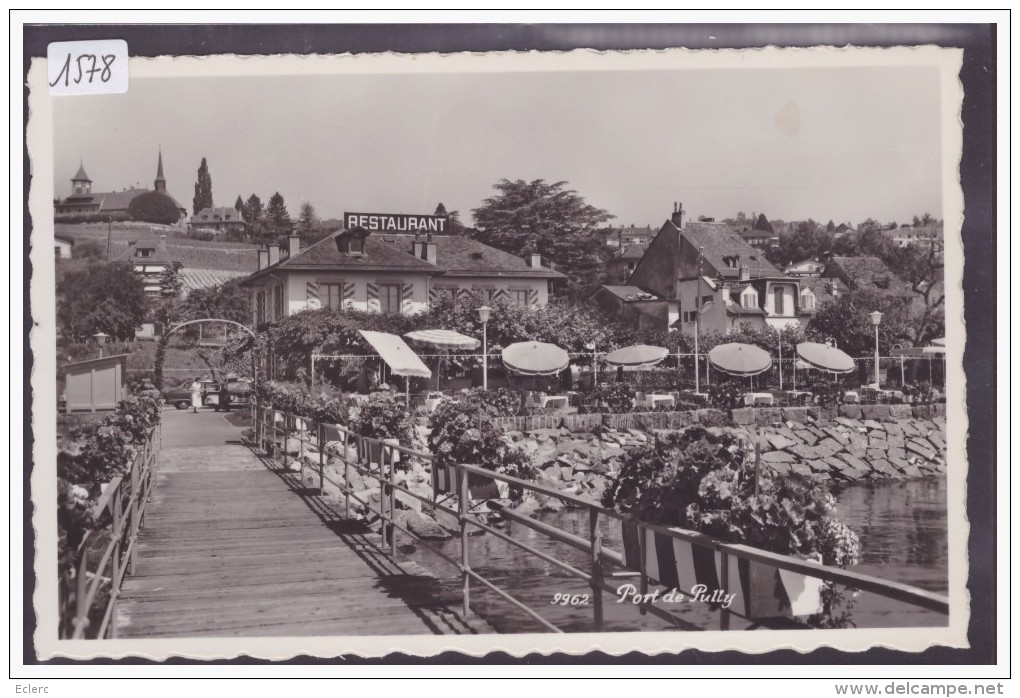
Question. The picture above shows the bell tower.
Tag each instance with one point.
(160, 183)
(80, 183)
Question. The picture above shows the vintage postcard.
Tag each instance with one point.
(528, 352)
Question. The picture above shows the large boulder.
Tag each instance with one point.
(743, 415)
(421, 525)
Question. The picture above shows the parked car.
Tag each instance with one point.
(233, 394)
(180, 397)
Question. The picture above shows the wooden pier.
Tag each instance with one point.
(233, 546)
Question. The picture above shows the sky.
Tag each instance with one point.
(826, 143)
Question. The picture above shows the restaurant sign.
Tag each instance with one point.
(395, 223)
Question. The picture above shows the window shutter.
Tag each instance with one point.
(312, 294)
(373, 298)
(406, 298)
(348, 294)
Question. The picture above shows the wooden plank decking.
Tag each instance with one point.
(232, 547)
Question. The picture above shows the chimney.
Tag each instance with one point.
(744, 274)
(274, 254)
(678, 214)
(418, 247)
(263, 258)
(536, 261)
(294, 245)
(430, 250)
(162, 238)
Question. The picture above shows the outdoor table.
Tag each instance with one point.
(660, 399)
(432, 401)
(553, 401)
(851, 396)
(796, 395)
(759, 399)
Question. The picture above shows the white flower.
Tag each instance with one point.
(79, 493)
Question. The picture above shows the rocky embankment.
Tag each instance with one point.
(843, 449)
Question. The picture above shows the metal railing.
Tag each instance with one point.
(122, 506)
(379, 459)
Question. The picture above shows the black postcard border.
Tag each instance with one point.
(977, 173)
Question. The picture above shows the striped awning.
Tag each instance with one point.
(397, 355)
(444, 339)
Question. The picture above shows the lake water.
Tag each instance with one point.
(902, 526)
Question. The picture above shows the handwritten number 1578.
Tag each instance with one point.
(88, 65)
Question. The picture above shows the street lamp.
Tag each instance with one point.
(697, 325)
(100, 338)
(876, 320)
(591, 346)
(483, 316)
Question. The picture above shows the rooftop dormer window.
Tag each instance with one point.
(144, 252)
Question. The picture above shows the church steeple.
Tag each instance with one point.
(160, 179)
(80, 183)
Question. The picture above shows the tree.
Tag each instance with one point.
(923, 269)
(549, 219)
(106, 297)
(277, 217)
(88, 249)
(239, 204)
(203, 188)
(225, 302)
(830, 227)
(251, 210)
(307, 220)
(154, 207)
(846, 319)
(763, 224)
(807, 241)
(453, 224)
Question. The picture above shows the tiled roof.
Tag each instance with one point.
(861, 270)
(635, 251)
(719, 241)
(112, 200)
(461, 256)
(238, 259)
(159, 254)
(455, 255)
(195, 279)
(630, 293)
(217, 213)
(81, 174)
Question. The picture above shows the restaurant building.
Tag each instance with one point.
(391, 263)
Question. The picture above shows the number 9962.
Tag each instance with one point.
(570, 600)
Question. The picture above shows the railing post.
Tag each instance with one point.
(596, 566)
(462, 508)
(81, 615)
(115, 565)
(724, 572)
(382, 490)
(322, 458)
(393, 501)
(347, 476)
(135, 518)
(286, 429)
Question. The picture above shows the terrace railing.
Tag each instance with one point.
(89, 592)
(378, 459)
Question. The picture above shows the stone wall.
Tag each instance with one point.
(761, 416)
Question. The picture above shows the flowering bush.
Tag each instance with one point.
(501, 402)
(383, 418)
(96, 453)
(614, 397)
(828, 393)
(701, 482)
(920, 393)
(463, 432)
(726, 395)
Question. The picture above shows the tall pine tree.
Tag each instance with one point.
(239, 204)
(276, 214)
(203, 188)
